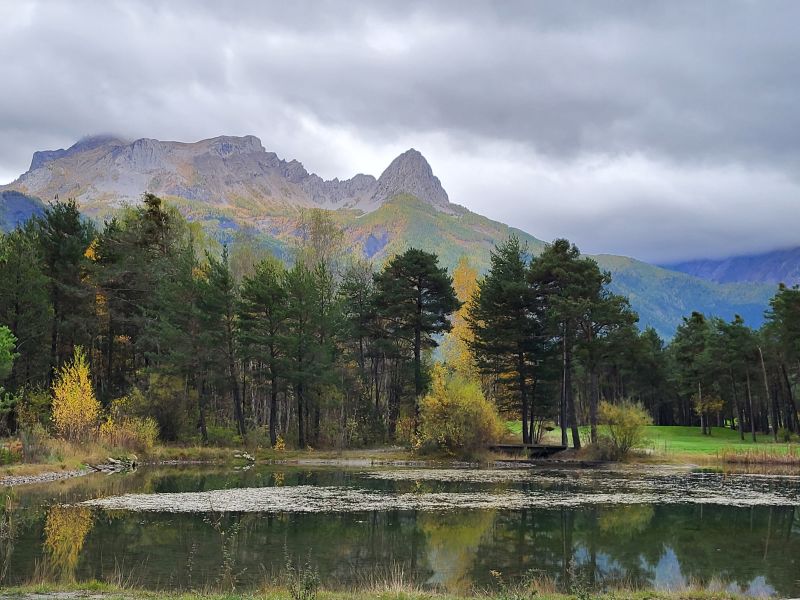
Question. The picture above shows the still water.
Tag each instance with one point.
(179, 527)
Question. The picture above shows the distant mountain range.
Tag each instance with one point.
(778, 266)
(239, 191)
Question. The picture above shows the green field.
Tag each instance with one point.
(682, 440)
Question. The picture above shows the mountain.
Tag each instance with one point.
(17, 208)
(105, 172)
(778, 266)
(238, 190)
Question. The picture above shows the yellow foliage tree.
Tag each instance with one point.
(455, 347)
(76, 410)
(454, 415)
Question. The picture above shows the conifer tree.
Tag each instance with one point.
(506, 317)
(415, 296)
(262, 323)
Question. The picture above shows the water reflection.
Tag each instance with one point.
(65, 531)
(755, 549)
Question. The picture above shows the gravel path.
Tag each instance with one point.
(15, 480)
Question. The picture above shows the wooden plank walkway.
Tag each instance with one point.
(532, 450)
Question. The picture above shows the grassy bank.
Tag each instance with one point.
(688, 444)
(63, 456)
(100, 591)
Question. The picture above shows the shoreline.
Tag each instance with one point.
(101, 591)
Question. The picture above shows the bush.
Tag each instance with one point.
(626, 426)
(124, 428)
(130, 433)
(226, 437)
(34, 407)
(10, 452)
(35, 443)
(456, 417)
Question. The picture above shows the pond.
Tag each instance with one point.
(197, 527)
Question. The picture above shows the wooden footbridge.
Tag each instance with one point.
(528, 450)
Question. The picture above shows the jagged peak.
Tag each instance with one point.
(411, 173)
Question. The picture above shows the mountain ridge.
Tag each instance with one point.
(238, 190)
(218, 169)
(774, 267)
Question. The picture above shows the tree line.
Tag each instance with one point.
(330, 351)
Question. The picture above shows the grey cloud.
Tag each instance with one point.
(682, 83)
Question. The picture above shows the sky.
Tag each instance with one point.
(660, 130)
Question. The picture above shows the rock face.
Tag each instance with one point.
(411, 173)
(106, 171)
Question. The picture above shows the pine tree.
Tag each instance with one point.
(415, 296)
(506, 318)
(571, 286)
(25, 305)
(262, 323)
(299, 342)
(218, 303)
(65, 238)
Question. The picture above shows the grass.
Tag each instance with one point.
(110, 592)
(688, 444)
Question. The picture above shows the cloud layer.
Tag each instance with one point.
(663, 131)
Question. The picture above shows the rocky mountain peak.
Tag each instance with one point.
(410, 173)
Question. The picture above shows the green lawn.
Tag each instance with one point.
(681, 440)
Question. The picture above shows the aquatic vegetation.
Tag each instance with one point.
(690, 488)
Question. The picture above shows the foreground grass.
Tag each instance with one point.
(109, 592)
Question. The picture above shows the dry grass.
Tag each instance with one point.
(783, 456)
(100, 591)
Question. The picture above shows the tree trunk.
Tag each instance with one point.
(301, 425)
(768, 395)
(739, 409)
(523, 391)
(201, 407)
(593, 402)
(562, 416)
(791, 409)
(570, 400)
(273, 411)
(750, 406)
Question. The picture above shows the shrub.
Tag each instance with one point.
(35, 443)
(626, 425)
(76, 411)
(131, 433)
(456, 417)
(34, 407)
(10, 452)
(219, 435)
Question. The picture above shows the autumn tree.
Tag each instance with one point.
(76, 410)
(456, 346)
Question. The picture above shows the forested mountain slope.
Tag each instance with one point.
(239, 191)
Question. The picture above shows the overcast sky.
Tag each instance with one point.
(663, 131)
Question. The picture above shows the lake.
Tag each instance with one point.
(191, 527)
